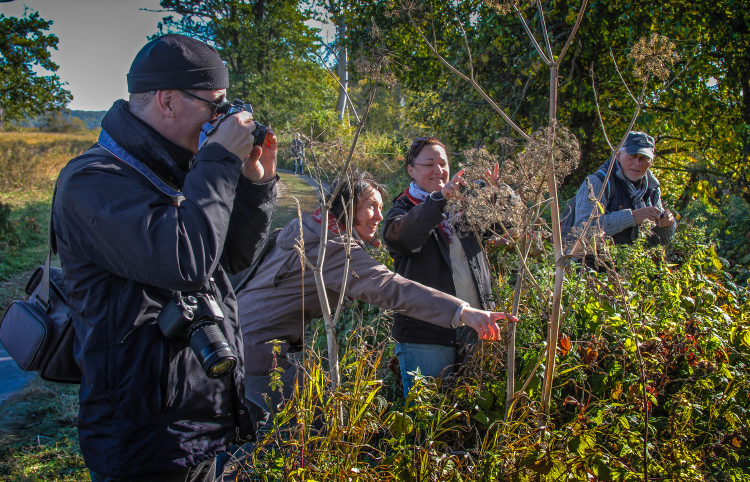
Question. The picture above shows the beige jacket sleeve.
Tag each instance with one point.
(372, 282)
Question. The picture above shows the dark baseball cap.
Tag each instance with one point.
(639, 143)
(177, 62)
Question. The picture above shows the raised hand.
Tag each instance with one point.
(453, 187)
(260, 166)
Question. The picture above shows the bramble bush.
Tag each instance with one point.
(672, 317)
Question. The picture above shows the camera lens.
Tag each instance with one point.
(259, 134)
(212, 350)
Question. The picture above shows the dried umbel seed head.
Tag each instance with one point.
(504, 7)
(481, 205)
(404, 8)
(377, 62)
(527, 171)
(653, 56)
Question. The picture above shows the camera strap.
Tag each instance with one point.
(109, 144)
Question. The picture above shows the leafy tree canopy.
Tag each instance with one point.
(266, 46)
(24, 45)
(700, 121)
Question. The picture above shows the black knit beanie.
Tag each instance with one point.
(177, 62)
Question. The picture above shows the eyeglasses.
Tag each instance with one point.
(216, 105)
(431, 165)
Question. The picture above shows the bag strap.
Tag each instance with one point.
(107, 143)
(42, 295)
(602, 175)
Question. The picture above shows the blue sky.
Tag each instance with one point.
(98, 41)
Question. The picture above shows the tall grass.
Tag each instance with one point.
(694, 330)
(29, 160)
(29, 165)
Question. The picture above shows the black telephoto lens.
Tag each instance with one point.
(212, 350)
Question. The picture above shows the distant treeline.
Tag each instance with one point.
(91, 118)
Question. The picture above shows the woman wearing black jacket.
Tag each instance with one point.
(426, 249)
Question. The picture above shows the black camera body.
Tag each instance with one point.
(259, 133)
(194, 317)
(227, 110)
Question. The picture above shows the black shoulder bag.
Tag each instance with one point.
(38, 333)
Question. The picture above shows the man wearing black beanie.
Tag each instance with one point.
(144, 221)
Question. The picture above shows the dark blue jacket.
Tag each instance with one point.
(421, 253)
(146, 405)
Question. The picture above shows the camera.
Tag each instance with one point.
(227, 110)
(194, 318)
(663, 215)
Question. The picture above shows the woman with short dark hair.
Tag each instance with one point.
(272, 306)
(427, 249)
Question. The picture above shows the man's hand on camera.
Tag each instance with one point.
(235, 134)
(260, 166)
(666, 219)
(648, 213)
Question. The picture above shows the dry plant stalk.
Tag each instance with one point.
(651, 57)
(375, 63)
(408, 9)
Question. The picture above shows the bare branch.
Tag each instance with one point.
(531, 35)
(472, 82)
(612, 54)
(346, 93)
(544, 30)
(575, 30)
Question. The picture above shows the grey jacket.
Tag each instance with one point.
(271, 304)
(614, 222)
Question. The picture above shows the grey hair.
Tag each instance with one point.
(138, 102)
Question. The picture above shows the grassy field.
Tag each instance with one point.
(38, 439)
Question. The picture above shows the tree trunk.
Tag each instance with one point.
(343, 68)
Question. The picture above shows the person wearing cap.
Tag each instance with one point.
(298, 153)
(632, 197)
(144, 215)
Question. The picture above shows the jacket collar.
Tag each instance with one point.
(163, 157)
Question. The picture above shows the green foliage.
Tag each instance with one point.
(24, 46)
(671, 318)
(57, 122)
(703, 157)
(267, 47)
(728, 224)
(38, 440)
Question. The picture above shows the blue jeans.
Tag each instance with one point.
(432, 361)
(298, 165)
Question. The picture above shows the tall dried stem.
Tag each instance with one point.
(553, 326)
(330, 319)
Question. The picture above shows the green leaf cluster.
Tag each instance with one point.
(24, 45)
(267, 47)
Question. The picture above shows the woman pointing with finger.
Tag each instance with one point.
(426, 248)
